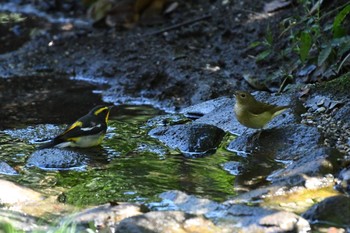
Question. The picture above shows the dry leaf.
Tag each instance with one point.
(99, 9)
(172, 6)
(125, 13)
(276, 5)
(254, 82)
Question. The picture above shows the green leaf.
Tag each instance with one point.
(345, 48)
(338, 30)
(263, 55)
(305, 45)
(254, 44)
(269, 36)
(324, 54)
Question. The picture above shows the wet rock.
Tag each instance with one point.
(256, 219)
(297, 145)
(7, 169)
(16, 194)
(343, 184)
(284, 143)
(156, 149)
(21, 221)
(222, 115)
(165, 120)
(29, 202)
(233, 218)
(190, 139)
(313, 183)
(166, 221)
(333, 210)
(253, 195)
(318, 162)
(189, 203)
(34, 133)
(56, 159)
(232, 167)
(201, 109)
(105, 216)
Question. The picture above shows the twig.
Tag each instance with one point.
(176, 26)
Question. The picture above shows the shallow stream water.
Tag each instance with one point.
(129, 165)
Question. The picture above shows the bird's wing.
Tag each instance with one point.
(263, 107)
(78, 129)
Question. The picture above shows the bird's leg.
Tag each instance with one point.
(257, 134)
(254, 139)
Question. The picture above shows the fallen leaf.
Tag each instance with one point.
(276, 5)
(126, 13)
(98, 10)
(171, 7)
(254, 82)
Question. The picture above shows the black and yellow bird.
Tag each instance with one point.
(87, 131)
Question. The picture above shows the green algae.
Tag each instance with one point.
(128, 166)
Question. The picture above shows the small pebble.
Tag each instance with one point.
(321, 109)
(336, 133)
(320, 103)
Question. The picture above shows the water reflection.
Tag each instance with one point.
(129, 165)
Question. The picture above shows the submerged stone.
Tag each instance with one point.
(167, 221)
(332, 210)
(165, 120)
(343, 184)
(16, 194)
(56, 159)
(190, 139)
(7, 169)
(15, 221)
(104, 215)
(236, 217)
(190, 203)
(298, 147)
(318, 162)
(233, 167)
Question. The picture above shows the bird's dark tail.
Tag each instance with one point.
(49, 144)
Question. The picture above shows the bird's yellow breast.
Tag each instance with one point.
(86, 141)
(248, 119)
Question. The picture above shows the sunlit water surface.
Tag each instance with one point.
(129, 166)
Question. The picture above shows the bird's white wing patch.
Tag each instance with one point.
(90, 128)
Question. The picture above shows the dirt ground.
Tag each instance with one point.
(204, 59)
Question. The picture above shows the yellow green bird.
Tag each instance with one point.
(252, 113)
(87, 131)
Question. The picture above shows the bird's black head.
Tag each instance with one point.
(101, 111)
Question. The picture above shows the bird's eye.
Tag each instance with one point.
(243, 95)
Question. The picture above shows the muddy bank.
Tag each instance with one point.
(188, 65)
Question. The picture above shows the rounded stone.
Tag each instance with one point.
(56, 159)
